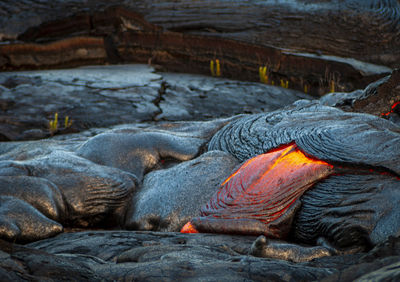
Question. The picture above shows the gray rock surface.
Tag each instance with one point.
(90, 96)
(171, 197)
(363, 29)
(326, 133)
(21, 221)
(381, 98)
(93, 178)
(90, 181)
(193, 96)
(151, 256)
(105, 96)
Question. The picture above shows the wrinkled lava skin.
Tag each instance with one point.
(93, 183)
(354, 206)
(262, 195)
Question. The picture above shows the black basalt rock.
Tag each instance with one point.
(50, 184)
(21, 222)
(354, 208)
(40, 193)
(171, 197)
(323, 132)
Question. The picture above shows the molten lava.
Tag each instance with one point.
(260, 193)
(189, 228)
(392, 109)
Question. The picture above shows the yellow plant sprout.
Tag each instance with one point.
(284, 83)
(67, 122)
(218, 68)
(53, 124)
(306, 89)
(332, 86)
(215, 68)
(262, 71)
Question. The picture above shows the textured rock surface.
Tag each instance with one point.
(89, 96)
(171, 197)
(151, 256)
(197, 97)
(323, 132)
(381, 98)
(113, 179)
(111, 95)
(92, 181)
(365, 30)
(101, 33)
(364, 151)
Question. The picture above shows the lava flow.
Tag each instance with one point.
(260, 193)
(392, 109)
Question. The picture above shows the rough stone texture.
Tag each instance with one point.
(89, 181)
(354, 211)
(191, 96)
(169, 198)
(151, 256)
(110, 95)
(42, 194)
(381, 98)
(89, 96)
(104, 33)
(323, 132)
(21, 222)
(79, 164)
(38, 34)
(365, 30)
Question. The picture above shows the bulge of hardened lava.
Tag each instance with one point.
(261, 197)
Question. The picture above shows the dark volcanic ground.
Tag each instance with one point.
(161, 113)
(111, 95)
(106, 96)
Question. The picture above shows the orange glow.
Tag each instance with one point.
(265, 187)
(391, 109)
(189, 228)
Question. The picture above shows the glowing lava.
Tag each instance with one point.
(391, 109)
(189, 228)
(259, 198)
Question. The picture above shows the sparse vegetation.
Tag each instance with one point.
(215, 68)
(332, 86)
(67, 122)
(53, 124)
(262, 71)
(284, 83)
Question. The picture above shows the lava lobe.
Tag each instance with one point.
(262, 196)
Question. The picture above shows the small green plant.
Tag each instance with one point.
(331, 81)
(262, 72)
(215, 68)
(285, 83)
(53, 124)
(305, 88)
(332, 86)
(67, 122)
